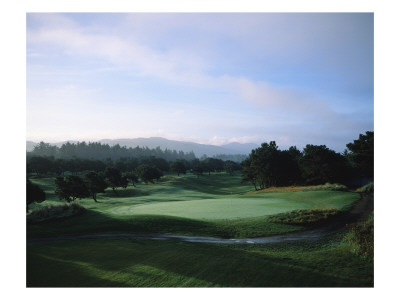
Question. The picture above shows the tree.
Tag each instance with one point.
(121, 165)
(288, 172)
(249, 172)
(44, 149)
(197, 170)
(268, 166)
(212, 165)
(361, 154)
(294, 152)
(115, 178)
(70, 188)
(33, 194)
(132, 177)
(41, 165)
(148, 173)
(320, 164)
(178, 167)
(94, 183)
(265, 164)
(230, 167)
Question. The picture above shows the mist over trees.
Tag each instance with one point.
(98, 151)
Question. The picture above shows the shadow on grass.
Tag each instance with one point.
(177, 264)
(125, 193)
(95, 222)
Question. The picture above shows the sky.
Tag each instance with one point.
(211, 78)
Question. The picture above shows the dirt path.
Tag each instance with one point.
(360, 211)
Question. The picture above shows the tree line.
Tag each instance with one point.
(266, 166)
(98, 151)
(269, 166)
(43, 165)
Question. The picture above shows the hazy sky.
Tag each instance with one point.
(210, 78)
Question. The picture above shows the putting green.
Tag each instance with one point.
(221, 208)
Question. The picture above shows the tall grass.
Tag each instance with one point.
(367, 189)
(50, 212)
(306, 217)
(328, 187)
(360, 239)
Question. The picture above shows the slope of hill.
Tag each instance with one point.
(240, 148)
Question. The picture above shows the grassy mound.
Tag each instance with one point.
(306, 217)
(368, 188)
(51, 212)
(360, 239)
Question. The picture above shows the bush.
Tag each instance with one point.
(306, 217)
(55, 212)
(360, 239)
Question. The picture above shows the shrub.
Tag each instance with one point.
(306, 217)
(55, 212)
(360, 238)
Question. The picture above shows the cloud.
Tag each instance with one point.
(178, 113)
(211, 53)
(182, 65)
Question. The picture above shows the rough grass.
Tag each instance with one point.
(360, 238)
(310, 217)
(368, 188)
(328, 187)
(52, 212)
(284, 189)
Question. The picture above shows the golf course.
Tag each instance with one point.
(218, 205)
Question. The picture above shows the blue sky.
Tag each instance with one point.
(213, 78)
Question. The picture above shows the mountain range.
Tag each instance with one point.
(154, 142)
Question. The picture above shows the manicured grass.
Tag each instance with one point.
(145, 263)
(187, 205)
(235, 208)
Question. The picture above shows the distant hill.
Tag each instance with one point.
(198, 149)
(240, 148)
(30, 145)
(154, 142)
